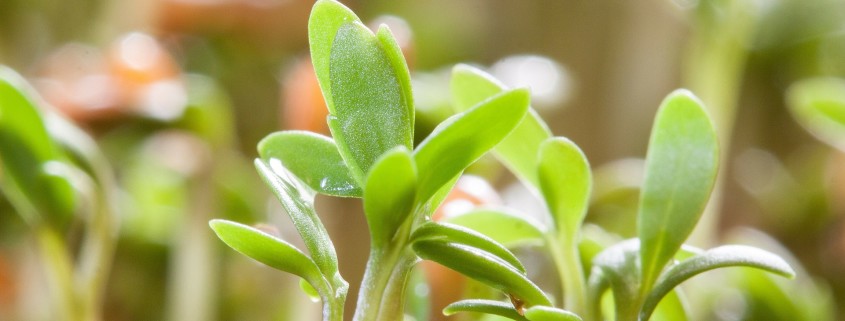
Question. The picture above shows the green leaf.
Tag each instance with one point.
(30, 157)
(723, 256)
(616, 267)
(565, 182)
(313, 158)
(268, 249)
(400, 69)
(456, 234)
(464, 138)
(509, 229)
(681, 167)
(327, 16)
(372, 114)
(499, 308)
(517, 151)
(819, 105)
(671, 308)
(309, 290)
(546, 313)
(389, 194)
(483, 267)
(298, 201)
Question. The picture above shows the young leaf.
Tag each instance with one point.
(400, 69)
(462, 139)
(389, 194)
(456, 234)
(268, 249)
(29, 155)
(517, 151)
(509, 229)
(565, 182)
(327, 16)
(314, 159)
(504, 309)
(371, 114)
(546, 313)
(681, 167)
(483, 267)
(298, 202)
(723, 256)
(616, 267)
(819, 105)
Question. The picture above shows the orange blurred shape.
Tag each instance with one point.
(303, 106)
(194, 16)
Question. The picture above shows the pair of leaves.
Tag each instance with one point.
(535, 313)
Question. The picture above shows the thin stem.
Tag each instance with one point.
(97, 252)
(568, 263)
(383, 266)
(59, 269)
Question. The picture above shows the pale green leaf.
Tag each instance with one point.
(504, 309)
(517, 151)
(565, 182)
(456, 234)
(313, 158)
(509, 229)
(819, 105)
(547, 313)
(327, 16)
(462, 139)
(400, 69)
(681, 167)
(616, 267)
(389, 194)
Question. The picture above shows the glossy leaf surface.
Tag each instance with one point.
(389, 194)
(506, 228)
(546, 313)
(681, 167)
(371, 115)
(565, 182)
(464, 138)
(518, 151)
(723, 256)
(499, 308)
(483, 267)
(456, 234)
(819, 105)
(327, 16)
(314, 159)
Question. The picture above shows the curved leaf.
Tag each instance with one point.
(400, 69)
(545, 313)
(509, 229)
(456, 234)
(565, 182)
(681, 167)
(723, 256)
(499, 308)
(29, 155)
(268, 250)
(313, 158)
(518, 151)
(327, 16)
(483, 267)
(672, 307)
(298, 201)
(389, 194)
(819, 105)
(371, 114)
(616, 267)
(464, 138)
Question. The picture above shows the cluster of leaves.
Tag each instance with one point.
(366, 85)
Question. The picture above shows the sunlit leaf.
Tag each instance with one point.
(313, 158)
(681, 167)
(400, 69)
(309, 290)
(327, 16)
(565, 182)
(517, 151)
(506, 228)
(723, 256)
(504, 309)
(483, 267)
(462, 139)
(819, 105)
(671, 308)
(371, 114)
(389, 194)
(546, 313)
(456, 234)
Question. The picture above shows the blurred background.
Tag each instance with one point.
(177, 93)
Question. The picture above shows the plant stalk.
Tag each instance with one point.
(382, 288)
(58, 267)
(565, 255)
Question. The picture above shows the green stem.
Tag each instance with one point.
(568, 263)
(59, 269)
(386, 267)
(96, 256)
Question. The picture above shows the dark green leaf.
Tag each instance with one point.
(499, 308)
(483, 267)
(456, 234)
(371, 114)
(506, 228)
(681, 167)
(389, 194)
(517, 151)
(313, 158)
(723, 256)
(464, 138)
(546, 313)
(819, 105)
(327, 16)
(565, 182)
